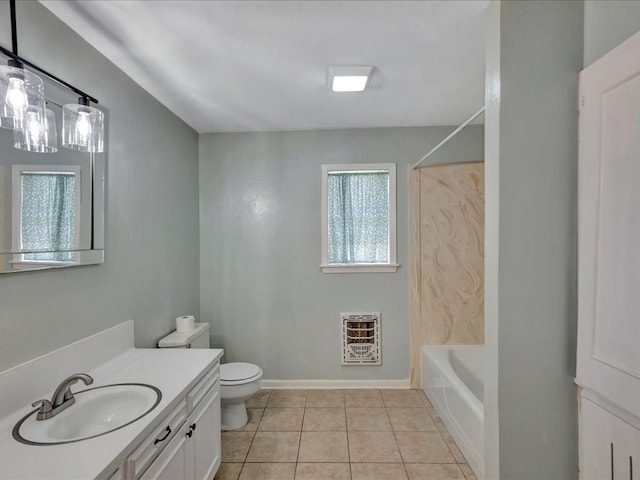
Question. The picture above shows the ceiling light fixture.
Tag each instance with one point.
(349, 79)
(23, 107)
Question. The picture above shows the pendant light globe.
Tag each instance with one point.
(82, 127)
(19, 90)
(38, 133)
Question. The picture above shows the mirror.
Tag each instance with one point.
(51, 205)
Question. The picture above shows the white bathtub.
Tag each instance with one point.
(452, 378)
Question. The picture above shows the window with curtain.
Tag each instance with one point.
(358, 218)
(48, 216)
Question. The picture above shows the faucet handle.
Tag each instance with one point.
(45, 409)
(45, 405)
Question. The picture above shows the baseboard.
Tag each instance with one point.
(336, 384)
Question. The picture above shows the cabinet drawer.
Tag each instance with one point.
(198, 392)
(142, 457)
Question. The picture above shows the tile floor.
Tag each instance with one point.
(341, 435)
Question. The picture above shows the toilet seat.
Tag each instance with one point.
(239, 373)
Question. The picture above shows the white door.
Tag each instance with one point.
(609, 227)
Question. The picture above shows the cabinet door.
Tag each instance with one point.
(174, 461)
(205, 446)
(608, 445)
(609, 227)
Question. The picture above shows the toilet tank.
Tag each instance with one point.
(196, 338)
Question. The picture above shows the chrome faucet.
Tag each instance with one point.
(62, 397)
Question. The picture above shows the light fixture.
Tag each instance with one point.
(82, 127)
(19, 89)
(349, 79)
(38, 133)
(23, 107)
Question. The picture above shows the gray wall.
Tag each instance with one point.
(534, 54)
(607, 23)
(261, 286)
(151, 271)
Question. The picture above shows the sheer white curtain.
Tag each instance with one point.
(48, 216)
(358, 211)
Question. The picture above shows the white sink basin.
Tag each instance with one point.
(96, 411)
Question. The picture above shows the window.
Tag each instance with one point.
(46, 213)
(358, 218)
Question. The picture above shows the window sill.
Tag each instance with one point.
(359, 268)
(30, 264)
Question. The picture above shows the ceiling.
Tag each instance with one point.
(237, 66)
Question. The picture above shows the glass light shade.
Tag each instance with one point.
(19, 89)
(82, 128)
(38, 132)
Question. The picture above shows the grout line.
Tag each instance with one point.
(346, 426)
(346, 431)
(244, 462)
(393, 430)
(395, 439)
(304, 413)
(299, 443)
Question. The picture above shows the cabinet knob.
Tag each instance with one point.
(192, 427)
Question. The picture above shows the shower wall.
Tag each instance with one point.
(446, 257)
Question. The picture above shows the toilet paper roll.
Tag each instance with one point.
(185, 323)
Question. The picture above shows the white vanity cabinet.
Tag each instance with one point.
(186, 445)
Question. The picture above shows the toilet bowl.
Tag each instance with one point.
(239, 381)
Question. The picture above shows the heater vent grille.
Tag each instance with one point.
(361, 339)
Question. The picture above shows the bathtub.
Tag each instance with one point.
(452, 379)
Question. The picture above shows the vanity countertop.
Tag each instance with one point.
(173, 371)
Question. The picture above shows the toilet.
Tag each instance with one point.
(239, 381)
